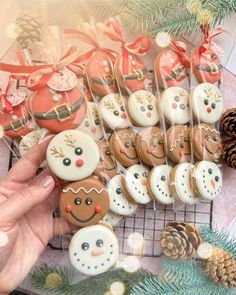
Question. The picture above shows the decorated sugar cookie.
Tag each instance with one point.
(118, 202)
(112, 110)
(206, 142)
(178, 143)
(134, 184)
(207, 180)
(94, 249)
(72, 155)
(174, 103)
(111, 219)
(92, 124)
(142, 106)
(180, 184)
(107, 166)
(84, 202)
(122, 144)
(207, 103)
(158, 184)
(150, 146)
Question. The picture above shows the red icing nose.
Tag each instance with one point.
(79, 163)
(98, 209)
(203, 143)
(181, 153)
(122, 150)
(123, 116)
(93, 129)
(209, 109)
(149, 114)
(149, 150)
(174, 105)
(102, 166)
(68, 208)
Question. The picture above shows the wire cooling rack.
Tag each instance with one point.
(145, 226)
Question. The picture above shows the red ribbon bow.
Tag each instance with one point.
(206, 44)
(181, 48)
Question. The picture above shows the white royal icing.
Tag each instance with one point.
(174, 102)
(207, 103)
(62, 149)
(179, 138)
(118, 202)
(84, 190)
(93, 250)
(142, 107)
(159, 184)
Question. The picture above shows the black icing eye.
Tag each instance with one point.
(210, 171)
(145, 174)
(206, 137)
(186, 139)
(176, 98)
(160, 141)
(154, 144)
(142, 108)
(86, 124)
(213, 105)
(67, 162)
(206, 102)
(182, 106)
(97, 122)
(85, 246)
(122, 108)
(78, 151)
(99, 243)
(217, 178)
(116, 113)
(215, 138)
(150, 107)
(118, 191)
(77, 201)
(88, 201)
(136, 175)
(107, 152)
(133, 144)
(163, 178)
(182, 145)
(127, 145)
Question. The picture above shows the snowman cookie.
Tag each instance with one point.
(72, 155)
(111, 219)
(206, 142)
(158, 184)
(142, 107)
(94, 249)
(84, 202)
(207, 180)
(207, 103)
(122, 144)
(174, 103)
(112, 110)
(134, 184)
(180, 184)
(92, 124)
(150, 146)
(178, 143)
(118, 202)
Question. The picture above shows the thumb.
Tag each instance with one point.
(19, 204)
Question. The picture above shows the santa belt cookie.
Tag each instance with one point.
(139, 75)
(17, 124)
(212, 68)
(103, 81)
(61, 112)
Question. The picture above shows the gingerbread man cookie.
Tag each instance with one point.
(72, 155)
(178, 143)
(84, 202)
(207, 103)
(112, 110)
(134, 184)
(206, 142)
(142, 107)
(174, 103)
(207, 180)
(94, 249)
(122, 144)
(118, 202)
(150, 146)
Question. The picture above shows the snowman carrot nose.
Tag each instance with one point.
(213, 183)
(97, 252)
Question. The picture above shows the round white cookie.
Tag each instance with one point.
(174, 103)
(142, 106)
(111, 219)
(207, 179)
(207, 103)
(72, 155)
(112, 110)
(135, 182)
(180, 180)
(158, 183)
(92, 124)
(118, 202)
(94, 249)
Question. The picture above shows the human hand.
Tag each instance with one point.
(26, 217)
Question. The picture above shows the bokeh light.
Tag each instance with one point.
(163, 39)
(131, 264)
(117, 288)
(205, 250)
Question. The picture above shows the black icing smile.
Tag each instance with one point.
(210, 152)
(110, 169)
(80, 220)
(130, 158)
(162, 157)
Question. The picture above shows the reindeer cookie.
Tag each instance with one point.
(84, 202)
(112, 110)
(72, 155)
(92, 124)
(142, 106)
(122, 144)
(207, 103)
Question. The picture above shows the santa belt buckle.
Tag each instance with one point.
(214, 68)
(16, 125)
(63, 112)
(139, 74)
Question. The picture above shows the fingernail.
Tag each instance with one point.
(43, 139)
(48, 181)
(3, 239)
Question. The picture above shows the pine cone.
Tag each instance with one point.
(29, 30)
(221, 268)
(229, 153)
(228, 122)
(180, 240)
